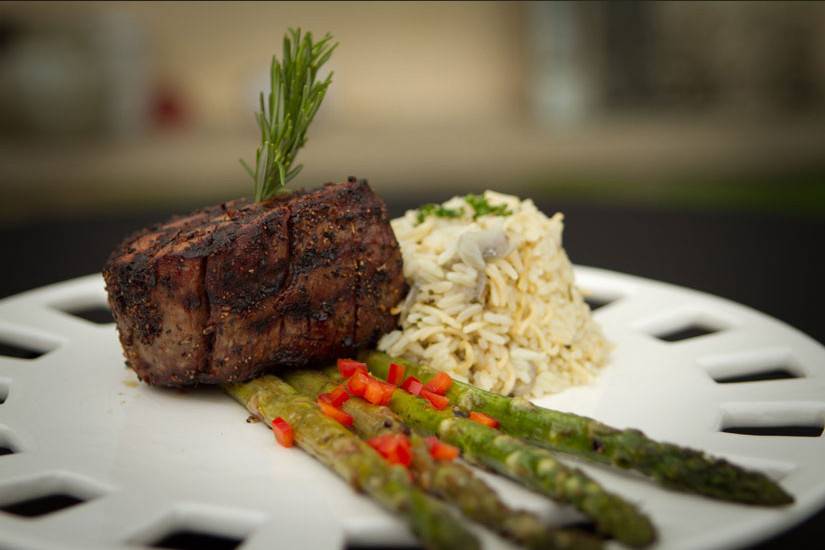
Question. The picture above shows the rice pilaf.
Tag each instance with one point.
(492, 300)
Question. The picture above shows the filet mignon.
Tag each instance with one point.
(230, 291)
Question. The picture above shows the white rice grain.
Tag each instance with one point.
(519, 326)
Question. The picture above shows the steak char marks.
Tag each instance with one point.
(230, 291)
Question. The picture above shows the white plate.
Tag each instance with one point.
(147, 461)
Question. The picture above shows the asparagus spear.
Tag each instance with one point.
(670, 465)
(452, 481)
(531, 466)
(331, 443)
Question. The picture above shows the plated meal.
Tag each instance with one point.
(397, 353)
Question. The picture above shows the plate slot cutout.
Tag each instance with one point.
(16, 351)
(186, 539)
(761, 365)
(41, 506)
(193, 526)
(597, 299)
(46, 495)
(7, 444)
(680, 326)
(89, 306)
(787, 431)
(596, 302)
(98, 315)
(773, 374)
(774, 419)
(693, 330)
(18, 343)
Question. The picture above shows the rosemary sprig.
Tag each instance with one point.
(294, 97)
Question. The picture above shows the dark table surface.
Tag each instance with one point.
(768, 262)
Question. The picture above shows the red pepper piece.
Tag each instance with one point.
(336, 397)
(334, 413)
(439, 384)
(403, 452)
(438, 401)
(339, 396)
(375, 392)
(412, 385)
(387, 395)
(396, 373)
(440, 450)
(395, 448)
(482, 418)
(283, 432)
(379, 442)
(357, 384)
(383, 443)
(347, 367)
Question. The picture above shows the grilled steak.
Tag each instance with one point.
(230, 291)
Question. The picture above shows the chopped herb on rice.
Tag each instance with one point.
(493, 299)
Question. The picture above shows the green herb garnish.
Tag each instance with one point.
(433, 209)
(481, 207)
(478, 203)
(293, 100)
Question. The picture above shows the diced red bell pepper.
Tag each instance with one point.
(388, 391)
(403, 453)
(412, 385)
(440, 450)
(378, 442)
(357, 384)
(439, 384)
(347, 367)
(482, 418)
(378, 392)
(334, 413)
(395, 448)
(374, 392)
(339, 396)
(336, 397)
(283, 432)
(438, 401)
(395, 375)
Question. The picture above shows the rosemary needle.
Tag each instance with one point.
(287, 111)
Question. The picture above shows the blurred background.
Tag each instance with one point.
(134, 106)
(677, 137)
(684, 141)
